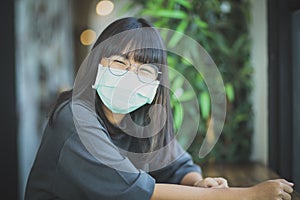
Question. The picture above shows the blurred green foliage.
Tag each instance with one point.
(222, 28)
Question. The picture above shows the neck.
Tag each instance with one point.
(113, 118)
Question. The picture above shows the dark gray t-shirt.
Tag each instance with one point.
(64, 168)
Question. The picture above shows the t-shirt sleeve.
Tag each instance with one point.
(175, 171)
(91, 167)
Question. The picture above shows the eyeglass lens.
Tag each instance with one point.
(146, 72)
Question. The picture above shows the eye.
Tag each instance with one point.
(119, 62)
(147, 71)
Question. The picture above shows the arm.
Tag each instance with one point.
(180, 192)
(196, 179)
(191, 178)
(271, 190)
(184, 172)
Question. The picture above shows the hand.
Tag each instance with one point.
(212, 183)
(278, 189)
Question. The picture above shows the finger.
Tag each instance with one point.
(287, 188)
(286, 196)
(210, 182)
(200, 183)
(222, 182)
(286, 182)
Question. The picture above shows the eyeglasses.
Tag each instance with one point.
(146, 73)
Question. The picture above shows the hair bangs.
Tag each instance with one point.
(143, 45)
(147, 47)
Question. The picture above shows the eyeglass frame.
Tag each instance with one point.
(136, 66)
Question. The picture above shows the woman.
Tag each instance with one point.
(112, 137)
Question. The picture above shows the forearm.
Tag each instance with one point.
(181, 192)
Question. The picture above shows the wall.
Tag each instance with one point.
(259, 59)
(44, 66)
(8, 117)
(296, 99)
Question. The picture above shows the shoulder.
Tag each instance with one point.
(62, 117)
(72, 114)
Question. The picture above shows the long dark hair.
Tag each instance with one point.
(133, 44)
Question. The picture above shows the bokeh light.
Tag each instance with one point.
(87, 37)
(104, 8)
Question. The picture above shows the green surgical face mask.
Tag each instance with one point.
(123, 94)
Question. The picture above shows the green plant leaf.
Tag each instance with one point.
(178, 116)
(205, 104)
(178, 34)
(200, 23)
(185, 61)
(239, 43)
(177, 83)
(241, 117)
(184, 3)
(229, 92)
(186, 96)
(226, 38)
(175, 14)
(222, 43)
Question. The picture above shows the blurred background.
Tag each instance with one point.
(254, 43)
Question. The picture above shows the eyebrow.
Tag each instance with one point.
(125, 56)
(122, 56)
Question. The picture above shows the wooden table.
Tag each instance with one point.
(242, 175)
